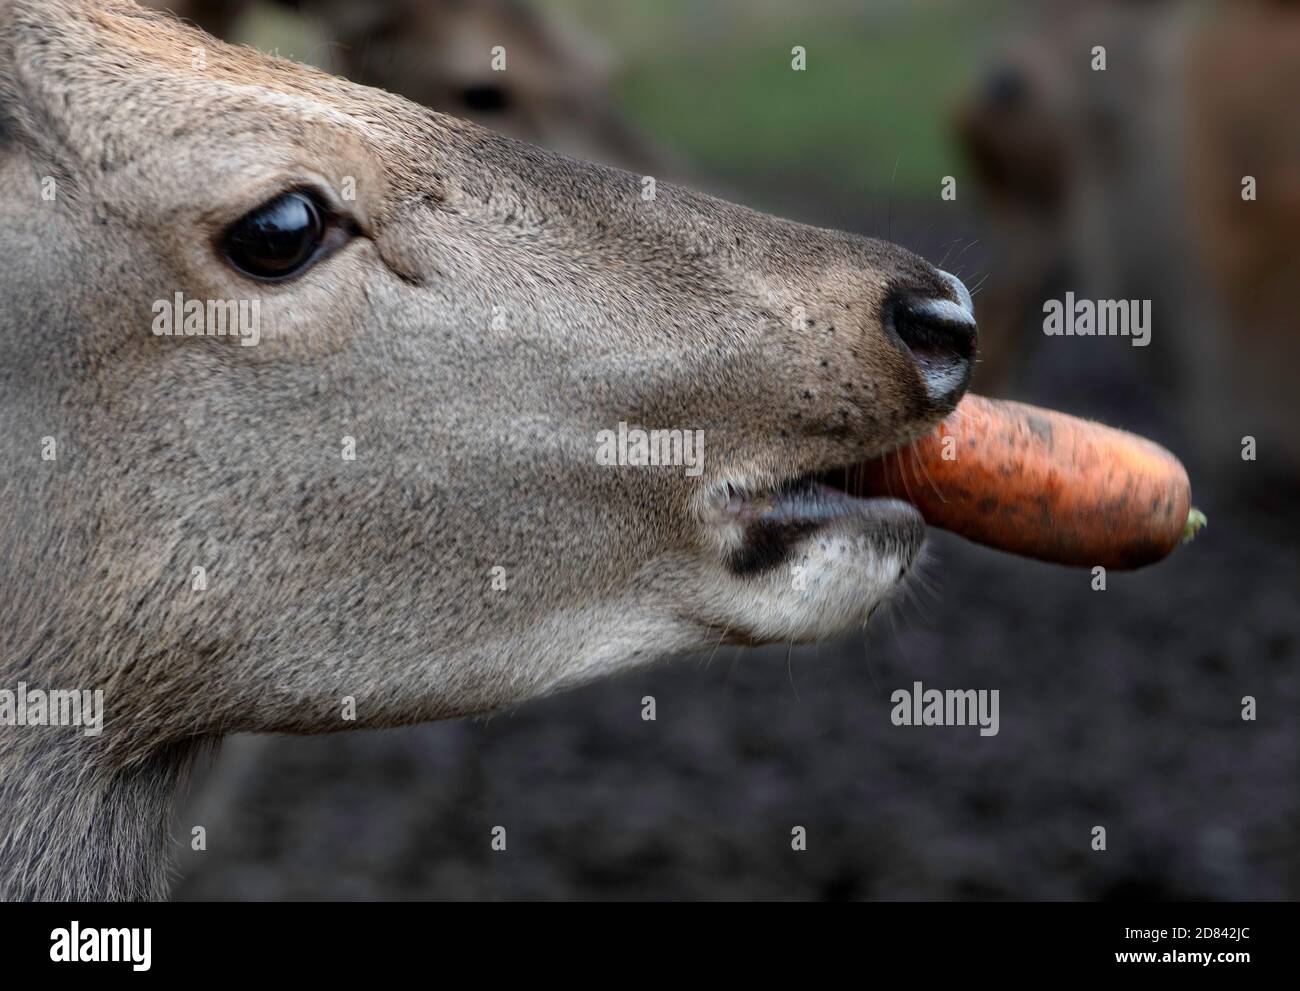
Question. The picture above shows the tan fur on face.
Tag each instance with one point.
(475, 436)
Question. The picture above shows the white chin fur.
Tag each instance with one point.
(830, 584)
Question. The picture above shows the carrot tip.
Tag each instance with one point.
(1195, 521)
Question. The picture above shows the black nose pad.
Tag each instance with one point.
(941, 336)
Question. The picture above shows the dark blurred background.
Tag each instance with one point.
(1119, 708)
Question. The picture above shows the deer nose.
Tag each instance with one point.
(941, 336)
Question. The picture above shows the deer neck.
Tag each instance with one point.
(72, 829)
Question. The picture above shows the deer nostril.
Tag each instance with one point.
(941, 335)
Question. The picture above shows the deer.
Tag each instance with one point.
(1131, 181)
(557, 90)
(391, 510)
(551, 84)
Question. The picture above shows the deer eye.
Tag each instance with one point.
(278, 240)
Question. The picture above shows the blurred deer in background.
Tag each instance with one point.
(1128, 182)
(556, 89)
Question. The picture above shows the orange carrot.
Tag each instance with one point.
(1042, 484)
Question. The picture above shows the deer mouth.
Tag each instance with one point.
(764, 528)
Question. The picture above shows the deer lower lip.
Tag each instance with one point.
(806, 498)
(773, 523)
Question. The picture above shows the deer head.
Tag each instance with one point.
(397, 496)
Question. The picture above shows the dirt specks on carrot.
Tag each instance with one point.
(1043, 484)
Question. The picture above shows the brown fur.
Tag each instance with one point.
(371, 578)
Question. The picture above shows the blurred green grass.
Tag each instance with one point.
(869, 103)
(880, 82)
(712, 80)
